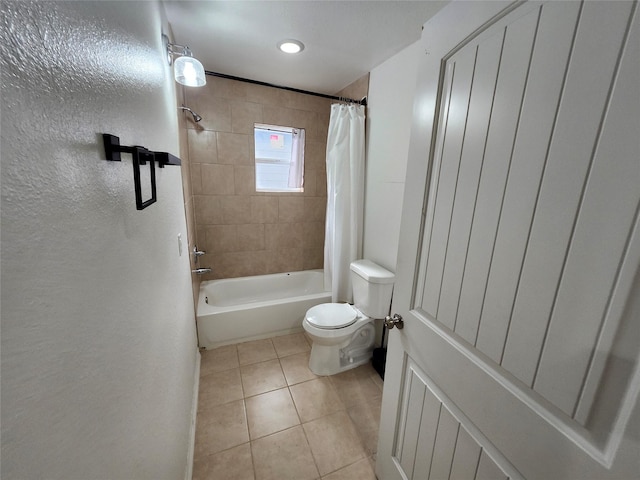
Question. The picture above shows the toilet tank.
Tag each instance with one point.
(372, 288)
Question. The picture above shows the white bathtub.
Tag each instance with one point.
(249, 308)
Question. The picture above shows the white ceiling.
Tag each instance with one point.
(343, 39)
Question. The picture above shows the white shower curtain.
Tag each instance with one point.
(345, 198)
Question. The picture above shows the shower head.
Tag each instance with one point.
(196, 117)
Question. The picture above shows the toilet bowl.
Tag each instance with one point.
(343, 335)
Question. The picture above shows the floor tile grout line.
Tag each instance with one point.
(282, 431)
(364, 452)
(315, 461)
(366, 457)
(333, 386)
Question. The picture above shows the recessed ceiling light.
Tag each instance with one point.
(290, 46)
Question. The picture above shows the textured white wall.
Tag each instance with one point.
(98, 332)
(391, 91)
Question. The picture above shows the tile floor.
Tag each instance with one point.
(263, 415)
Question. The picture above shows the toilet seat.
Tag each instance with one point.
(330, 316)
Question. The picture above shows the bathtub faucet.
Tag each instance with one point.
(201, 271)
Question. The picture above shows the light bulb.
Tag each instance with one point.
(189, 71)
(291, 46)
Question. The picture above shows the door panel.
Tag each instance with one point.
(500, 251)
(452, 135)
(518, 275)
(478, 112)
(437, 440)
(601, 34)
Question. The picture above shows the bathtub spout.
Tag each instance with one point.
(201, 271)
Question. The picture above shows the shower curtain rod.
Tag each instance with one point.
(291, 89)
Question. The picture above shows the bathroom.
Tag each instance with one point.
(98, 331)
(100, 365)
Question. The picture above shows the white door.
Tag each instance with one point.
(518, 276)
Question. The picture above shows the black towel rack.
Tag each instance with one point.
(140, 156)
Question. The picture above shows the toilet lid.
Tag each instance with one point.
(331, 315)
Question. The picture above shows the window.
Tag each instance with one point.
(279, 158)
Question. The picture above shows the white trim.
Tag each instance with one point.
(188, 474)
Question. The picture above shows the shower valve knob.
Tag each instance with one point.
(197, 254)
(395, 321)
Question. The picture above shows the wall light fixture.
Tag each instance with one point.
(186, 69)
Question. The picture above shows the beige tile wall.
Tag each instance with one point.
(242, 231)
(357, 89)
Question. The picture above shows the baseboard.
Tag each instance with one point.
(194, 411)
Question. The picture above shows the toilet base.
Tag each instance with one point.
(355, 351)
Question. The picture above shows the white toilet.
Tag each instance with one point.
(342, 334)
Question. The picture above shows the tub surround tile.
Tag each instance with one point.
(285, 260)
(220, 239)
(274, 114)
(321, 184)
(315, 155)
(244, 115)
(218, 360)
(313, 258)
(280, 236)
(217, 179)
(323, 125)
(262, 377)
(284, 456)
(265, 95)
(300, 101)
(334, 442)
(196, 179)
(361, 470)
(235, 209)
(290, 209)
(286, 345)
(202, 146)
(219, 388)
(218, 87)
(215, 111)
(208, 210)
(233, 148)
(221, 428)
(313, 234)
(309, 185)
(315, 209)
(232, 464)
(239, 264)
(270, 412)
(256, 351)
(315, 398)
(220, 174)
(250, 237)
(264, 209)
(296, 368)
(245, 179)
